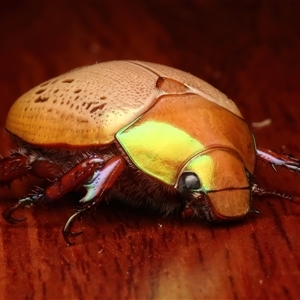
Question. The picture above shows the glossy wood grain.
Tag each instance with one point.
(247, 49)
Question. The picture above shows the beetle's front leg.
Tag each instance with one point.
(198, 206)
(277, 159)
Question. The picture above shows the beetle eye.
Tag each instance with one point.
(189, 181)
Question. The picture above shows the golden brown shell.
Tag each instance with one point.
(89, 105)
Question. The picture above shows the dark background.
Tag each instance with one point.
(247, 49)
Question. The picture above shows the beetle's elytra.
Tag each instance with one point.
(140, 132)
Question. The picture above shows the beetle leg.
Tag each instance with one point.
(67, 182)
(12, 167)
(97, 187)
(44, 168)
(198, 206)
(277, 159)
(18, 165)
(98, 178)
(7, 213)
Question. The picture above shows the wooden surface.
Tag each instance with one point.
(249, 50)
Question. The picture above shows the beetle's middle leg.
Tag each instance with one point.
(279, 159)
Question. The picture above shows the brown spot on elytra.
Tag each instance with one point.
(41, 99)
(102, 97)
(68, 80)
(40, 91)
(77, 91)
(56, 91)
(97, 107)
(91, 103)
(82, 121)
(49, 110)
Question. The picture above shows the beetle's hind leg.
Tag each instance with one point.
(8, 212)
(279, 159)
(21, 164)
(12, 167)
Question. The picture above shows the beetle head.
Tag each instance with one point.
(216, 185)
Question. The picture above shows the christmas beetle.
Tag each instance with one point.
(140, 132)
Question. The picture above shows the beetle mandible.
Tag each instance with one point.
(140, 132)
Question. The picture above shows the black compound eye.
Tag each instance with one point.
(189, 181)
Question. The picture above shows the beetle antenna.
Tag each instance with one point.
(262, 192)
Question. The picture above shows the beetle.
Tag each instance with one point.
(140, 132)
